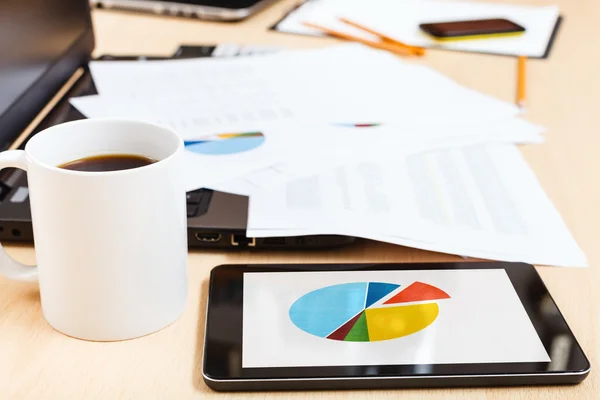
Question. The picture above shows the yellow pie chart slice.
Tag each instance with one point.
(394, 322)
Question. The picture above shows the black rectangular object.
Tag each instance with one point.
(222, 368)
(458, 29)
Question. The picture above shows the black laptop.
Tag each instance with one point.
(45, 62)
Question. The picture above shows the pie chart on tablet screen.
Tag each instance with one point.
(367, 311)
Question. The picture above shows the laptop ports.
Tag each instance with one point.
(207, 237)
(274, 241)
(242, 241)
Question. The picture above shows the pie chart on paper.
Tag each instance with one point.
(225, 143)
(367, 311)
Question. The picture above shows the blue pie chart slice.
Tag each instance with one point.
(323, 310)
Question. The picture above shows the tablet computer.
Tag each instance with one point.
(363, 326)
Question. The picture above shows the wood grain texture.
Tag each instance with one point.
(563, 94)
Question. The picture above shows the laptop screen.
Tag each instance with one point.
(35, 35)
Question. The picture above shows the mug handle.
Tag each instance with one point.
(9, 267)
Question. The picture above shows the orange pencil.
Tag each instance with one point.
(419, 51)
(394, 48)
(521, 81)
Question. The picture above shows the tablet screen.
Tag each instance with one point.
(294, 319)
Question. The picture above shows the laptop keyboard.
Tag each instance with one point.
(198, 202)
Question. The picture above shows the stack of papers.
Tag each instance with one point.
(400, 20)
(278, 94)
(349, 140)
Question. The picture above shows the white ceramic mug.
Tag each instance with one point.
(111, 247)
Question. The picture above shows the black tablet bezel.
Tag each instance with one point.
(223, 335)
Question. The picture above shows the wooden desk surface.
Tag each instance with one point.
(564, 95)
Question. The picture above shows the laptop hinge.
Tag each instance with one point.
(46, 110)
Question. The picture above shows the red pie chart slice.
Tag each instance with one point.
(418, 291)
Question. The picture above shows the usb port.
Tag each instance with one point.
(208, 237)
(241, 240)
(275, 241)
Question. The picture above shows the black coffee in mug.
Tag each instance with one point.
(107, 162)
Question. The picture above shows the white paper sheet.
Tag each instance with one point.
(341, 84)
(327, 147)
(481, 321)
(480, 201)
(401, 19)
